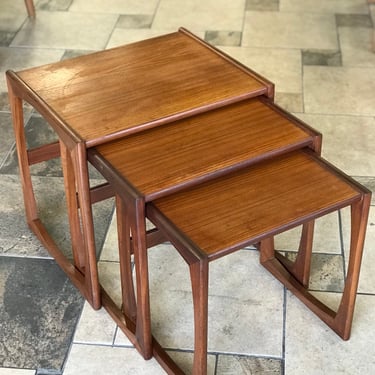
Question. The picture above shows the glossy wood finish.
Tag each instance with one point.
(267, 195)
(173, 156)
(103, 96)
(253, 204)
(122, 90)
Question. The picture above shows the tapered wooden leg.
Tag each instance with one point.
(31, 210)
(267, 250)
(72, 208)
(127, 286)
(78, 156)
(23, 163)
(138, 230)
(199, 282)
(30, 8)
(301, 267)
(359, 216)
(341, 320)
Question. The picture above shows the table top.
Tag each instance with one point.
(224, 214)
(166, 158)
(111, 93)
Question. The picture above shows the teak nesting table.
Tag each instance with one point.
(92, 99)
(158, 118)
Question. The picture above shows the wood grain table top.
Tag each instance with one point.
(255, 201)
(168, 157)
(111, 93)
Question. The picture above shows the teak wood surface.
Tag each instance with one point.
(268, 197)
(92, 99)
(170, 157)
(250, 206)
(111, 93)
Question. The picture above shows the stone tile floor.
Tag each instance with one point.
(318, 54)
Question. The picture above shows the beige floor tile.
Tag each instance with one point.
(121, 339)
(114, 6)
(326, 6)
(326, 236)
(280, 66)
(314, 349)
(289, 30)
(327, 273)
(23, 58)
(95, 360)
(350, 90)
(291, 102)
(185, 361)
(198, 15)
(348, 141)
(109, 275)
(93, 31)
(367, 275)
(109, 251)
(356, 47)
(12, 15)
(236, 365)
(95, 327)
(11, 371)
(240, 319)
(121, 36)
(135, 21)
(224, 38)
(372, 11)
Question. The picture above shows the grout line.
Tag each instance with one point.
(284, 332)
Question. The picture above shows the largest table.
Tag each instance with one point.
(93, 99)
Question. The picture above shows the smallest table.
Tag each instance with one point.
(213, 219)
(247, 206)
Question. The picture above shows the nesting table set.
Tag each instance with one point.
(191, 140)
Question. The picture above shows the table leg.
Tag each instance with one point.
(301, 267)
(82, 184)
(72, 208)
(199, 283)
(23, 161)
(31, 209)
(127, 286)
(344, 317)
(138, 230)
